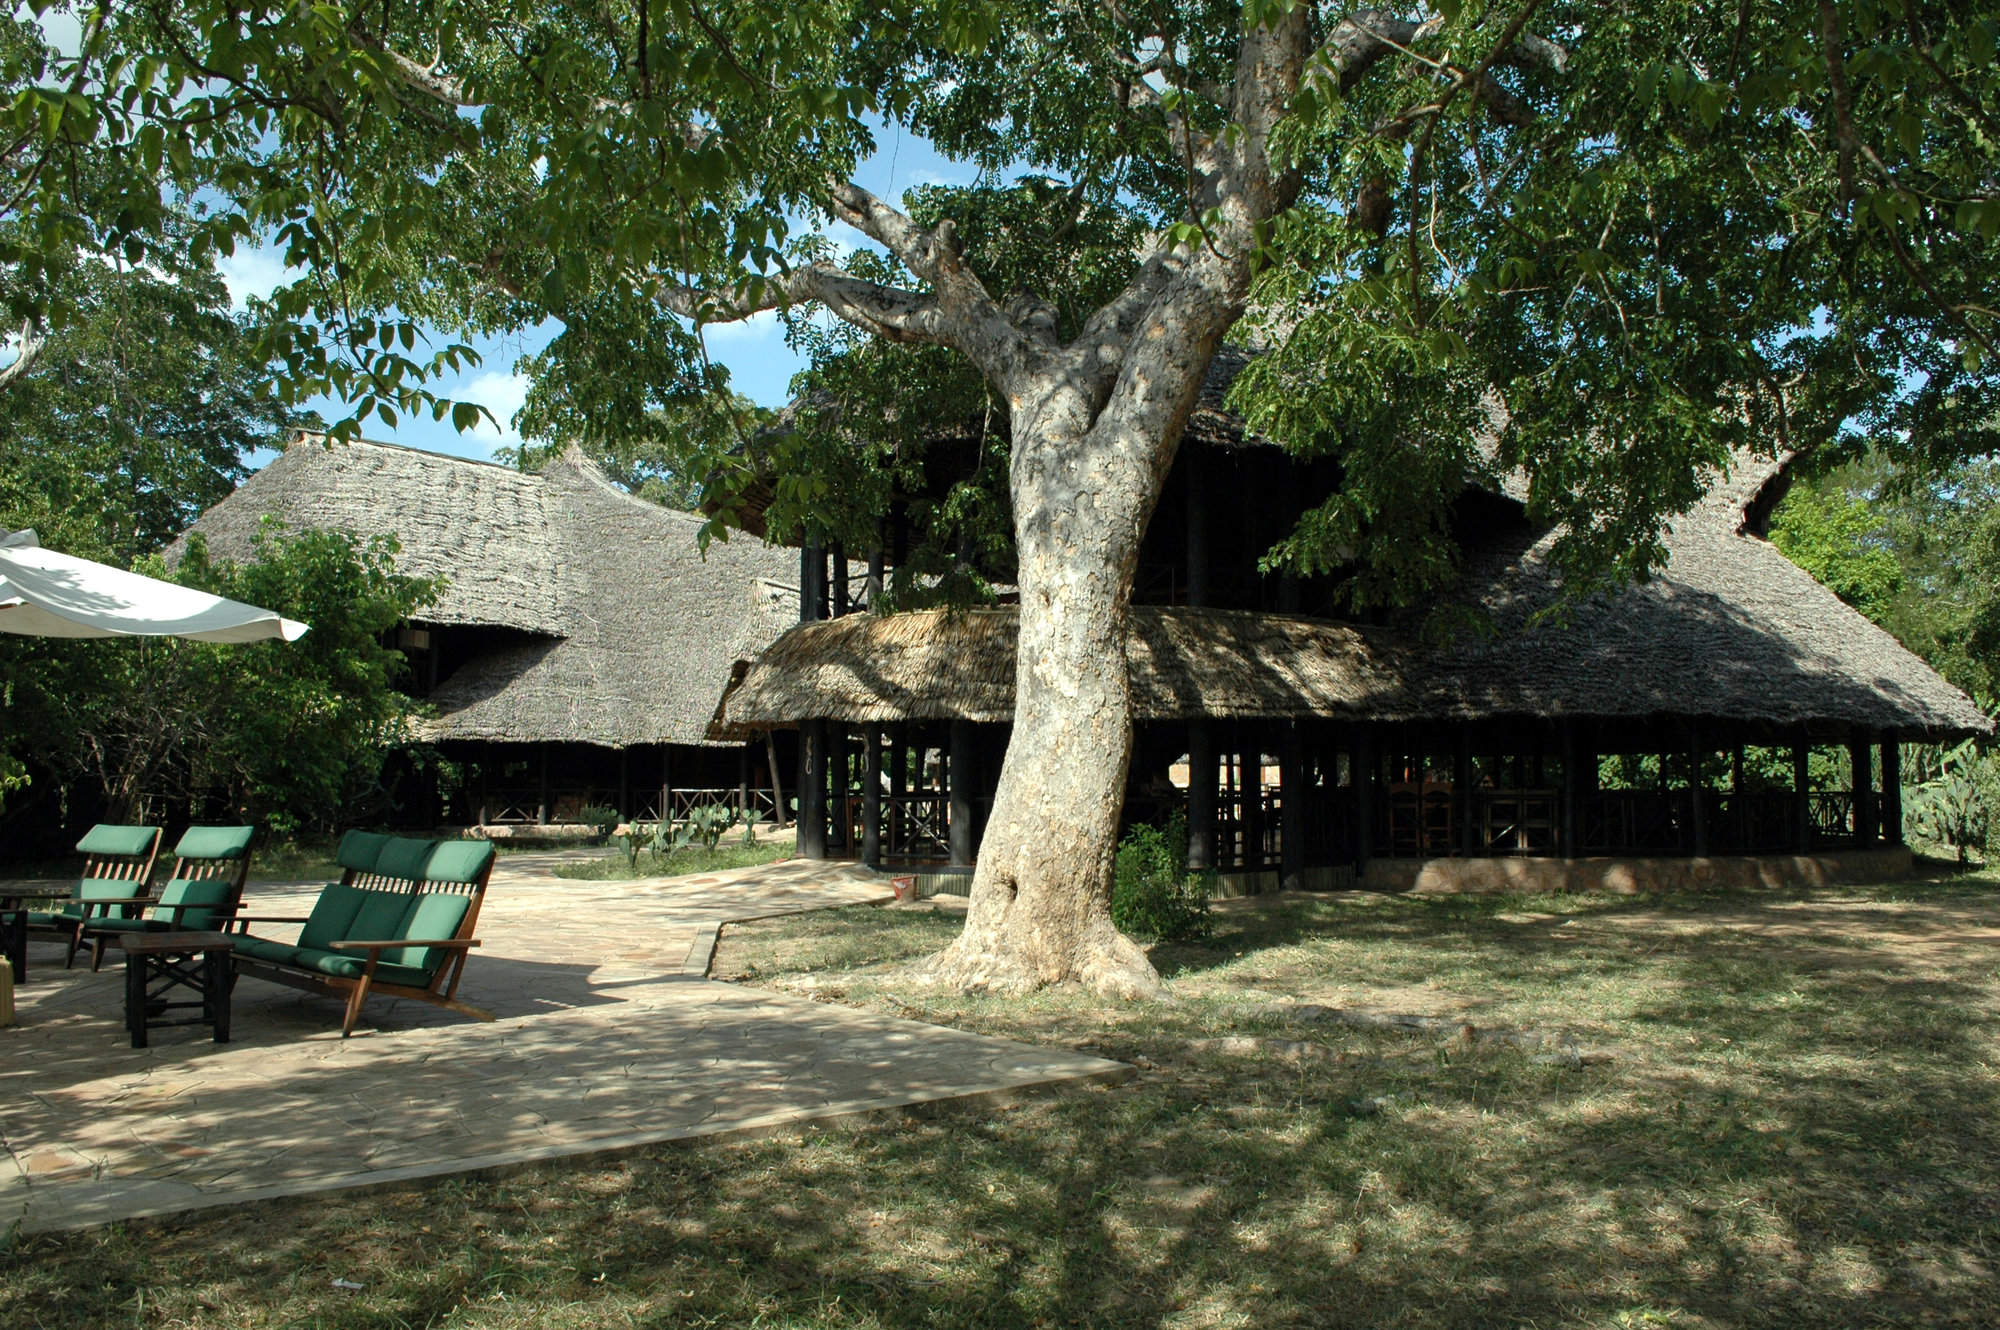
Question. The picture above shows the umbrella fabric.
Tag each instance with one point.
(46, 594)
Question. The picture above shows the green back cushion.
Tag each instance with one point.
(380, 914)
(403, 857)
(432, 915)
(359, 849)
(458, 861)
(212, 892)
(214, 843)
(332, 914)
(105, 838)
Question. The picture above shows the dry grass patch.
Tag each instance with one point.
(1794, 1128)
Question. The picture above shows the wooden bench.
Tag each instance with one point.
(399, 923)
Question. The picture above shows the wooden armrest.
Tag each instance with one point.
(350, 944)
(268, 919)
(120, 900)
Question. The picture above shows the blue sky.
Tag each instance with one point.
(760, 364)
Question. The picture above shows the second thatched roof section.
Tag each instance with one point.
(596, 616)
(1730, 631)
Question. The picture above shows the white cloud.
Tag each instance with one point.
(503, 395)
(252, 272)
(759, 327)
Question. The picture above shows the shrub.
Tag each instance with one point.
(599, 818)
(1154, 895)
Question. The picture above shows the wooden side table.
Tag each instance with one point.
(158, 964)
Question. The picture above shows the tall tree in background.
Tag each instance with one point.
(1630, 238)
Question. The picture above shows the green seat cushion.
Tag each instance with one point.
(109, 838)
(50, 919)
(210, 893)
(351, 965)
(215, 843)
(101, 889)
(331, 914)
(380, 914)
(404, 857)
(359, 849)
(458, 861)
(432, 915)
(123, 925)
(264, 949)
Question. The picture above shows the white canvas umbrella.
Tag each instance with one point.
(46, 594)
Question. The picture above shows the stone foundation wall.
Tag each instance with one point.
(1633, 876)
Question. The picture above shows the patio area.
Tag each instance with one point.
(609, 1037)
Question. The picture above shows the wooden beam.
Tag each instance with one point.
(1201, 796)
(1362, 765)
(1568, 835)
(1292, 798)
(1697, 803)
(1861, 761)
(1892, 787)
(812, 789)
(840, 597)
(1461, 793)
(962, 775)
(871, 796)
(1801, 801)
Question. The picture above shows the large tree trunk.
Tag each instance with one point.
(1085, 476)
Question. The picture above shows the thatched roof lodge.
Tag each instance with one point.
(575, 619)
(1729, 664)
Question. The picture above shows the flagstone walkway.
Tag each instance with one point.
(609, 1037)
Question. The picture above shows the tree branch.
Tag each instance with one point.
(32, 345)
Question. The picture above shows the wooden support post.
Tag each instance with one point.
(778, 808)
(1292, 798)
(871, 796)
(1250, 784)
(542, 785)
(1801, 796)
(840, 597)
(838, 781)
(1892, 787)
(899, 790)
(962, 772)
(624, 782)
(1861, 759)
(743, 784)
(1567, 835)
(1697, 795)
(875, 571)
(1201, 796)
(812, 789)
(1362, 765)
(667, 786)
(1462, 805)
(810, 570)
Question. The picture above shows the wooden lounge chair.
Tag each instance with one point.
(117, 866)
(203, 893)
(399, 923)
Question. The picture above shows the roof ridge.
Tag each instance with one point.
(319, 438)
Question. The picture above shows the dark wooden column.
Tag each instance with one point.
(542, 784)
(899, 789)
(1892, 787)
(1697, 805)
(1250, 791)
(871, 795)
(778, 806)
(1361, 764)
(743, 783)
(1568, 834)
(1292, 808)
(1462, 808)
(812, 584)
(812, 789)
(1861, 759)
(840, 605)
(624, 782)
(962, 774)
(1801, 804)
(1201, 796)
(838, 781)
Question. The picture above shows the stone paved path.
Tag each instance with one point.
(608, 1037)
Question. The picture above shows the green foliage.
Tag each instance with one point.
(1955, 800)
(704, 826)
(285, 735)
(1153, 894)
(600, 817)
(656, 838)
(1916, 550)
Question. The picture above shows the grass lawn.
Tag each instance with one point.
(615, 866)
(1777, 1109)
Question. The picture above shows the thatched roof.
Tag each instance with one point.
(1730, 630)
(624, 632)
